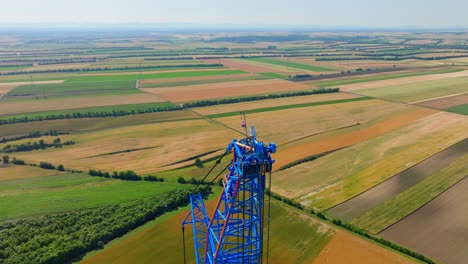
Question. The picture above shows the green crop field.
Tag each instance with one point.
(145, 107)
(407, 202)
(163, 75)
(45, 195)
(274, 75)
(459, 109)
(420, 90)
(63, 90)
(291, 64)
(12, 68)
(384, 77)
(282, 107)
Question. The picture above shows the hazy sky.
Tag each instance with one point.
(367, 13)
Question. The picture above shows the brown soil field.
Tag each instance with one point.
(349, 249)
(152, 146)
(199, 78)
(90, 124)
(402, 181)
(287, 154)
(227, 89)
(242, 65)
(7, 108)
(446, 101)
(217, 109)
(399, 81)
(439, 228)
(12, 172)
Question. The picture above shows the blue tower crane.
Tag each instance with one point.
(233, 232)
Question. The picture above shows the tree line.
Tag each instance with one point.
(257, 97)
(35, 145)
(42, 164)
(78, 115)
(34, 134)
(60, 238)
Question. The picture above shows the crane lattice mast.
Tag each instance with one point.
(233, 232)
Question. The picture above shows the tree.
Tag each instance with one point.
(181, 180)
(60, 167)
(6, 159)
(56, 141)
(198, 163)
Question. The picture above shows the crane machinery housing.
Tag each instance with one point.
(234, 231)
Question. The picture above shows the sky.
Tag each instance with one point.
(328, 13)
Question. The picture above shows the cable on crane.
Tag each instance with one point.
(269, 219)
(207, 174)
(183, 242)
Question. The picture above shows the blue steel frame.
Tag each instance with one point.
(234, 233)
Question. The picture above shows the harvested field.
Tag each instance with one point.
(90, 124)
(191, 79)
(445, 218)
(17, 107)
(227, 89)
(11, 172)
(239, 64)
(347, 248)
(401, 81)
(168, 142)
(294, 153)
(399, 183)
(298, 123)
(218, 109)
(415, 92)
(339, 176)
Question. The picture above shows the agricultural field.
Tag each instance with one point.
(446, 218)
(370, 129)
(286, 245)
(57, 193)
(388, 154)
(146, 145)
(397, 184)
(45, 104)
(226, 89)
(290, 64)
(414, 92)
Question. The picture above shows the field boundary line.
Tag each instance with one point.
(437, 98)
(395, 176)
(318, 133)
(457, 182)
(403, 103)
